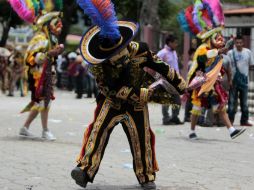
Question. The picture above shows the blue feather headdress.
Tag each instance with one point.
(102, 14)
(107, 36)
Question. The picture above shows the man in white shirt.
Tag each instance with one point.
(241, 58)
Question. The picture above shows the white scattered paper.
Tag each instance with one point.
(55, 120)
(128, 166)
(125, 150)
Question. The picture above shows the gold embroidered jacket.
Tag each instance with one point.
(39, 70)
(128, 81)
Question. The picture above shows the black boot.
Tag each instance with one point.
(79, 176)
(150, 185)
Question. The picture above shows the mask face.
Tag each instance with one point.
(120, 58)
(56, 26)
(218, 40)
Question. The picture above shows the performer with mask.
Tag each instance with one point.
(39, 57)
(125, 88)
(205, 20)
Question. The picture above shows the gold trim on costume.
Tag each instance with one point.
(138, 60)
(149, 153)
(97, 156)
(123, 93)
(134, 97)
(134, 48)
(111, 48)
(144, 95)
(144, 54)
(96, 127)
(182, 84)
(84, 46)
(135, 142)
(91, 33)
(171, 74)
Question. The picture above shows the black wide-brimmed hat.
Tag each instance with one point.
(107, 36)
(95, 49)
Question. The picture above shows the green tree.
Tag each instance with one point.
(70, 17)
(242, 2)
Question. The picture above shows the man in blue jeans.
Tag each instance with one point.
(241, 58)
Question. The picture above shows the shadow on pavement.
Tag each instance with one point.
(206, 141)
(128, 187)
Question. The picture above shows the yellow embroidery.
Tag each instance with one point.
(97, 125)
(134, 97)
(123, 93)
(143, 95)
(135, 142)
(149, 154)
(183, 84)
(171, 74)
(142, 54)
(97, 156)
(134, 46)
(139, 60)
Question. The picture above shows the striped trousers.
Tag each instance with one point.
(136, 125)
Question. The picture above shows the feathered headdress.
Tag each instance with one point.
(203, 18)
(108, 35)
(102, 14)
(31, 10)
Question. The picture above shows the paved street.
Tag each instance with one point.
(214, 162)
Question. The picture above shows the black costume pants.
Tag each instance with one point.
(136, 125)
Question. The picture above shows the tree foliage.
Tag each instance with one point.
(242, 2)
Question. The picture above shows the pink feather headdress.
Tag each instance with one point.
(30, 10)
(203, 18)
(22, 10)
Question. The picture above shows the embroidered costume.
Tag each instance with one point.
(37, 59)
(205, 19)
(119, 66)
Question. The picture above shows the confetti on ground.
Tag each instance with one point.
(125, 150)
(128, 166)
(55, 120)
